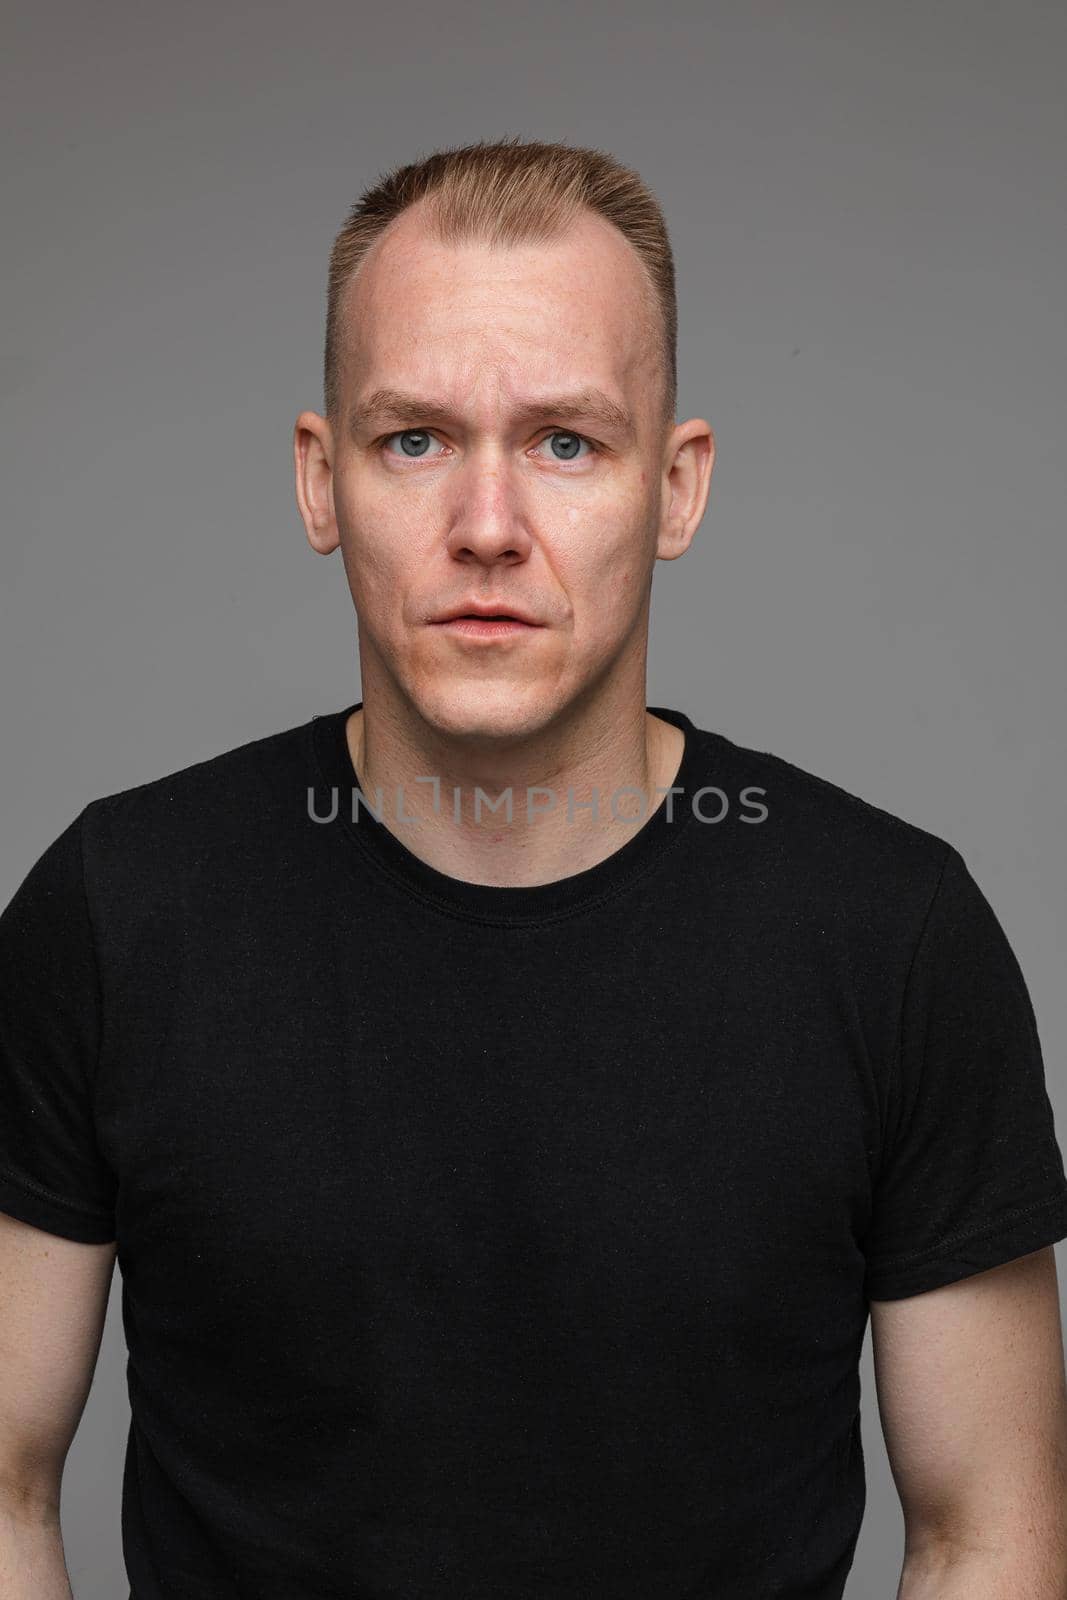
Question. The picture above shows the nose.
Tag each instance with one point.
(488, 522)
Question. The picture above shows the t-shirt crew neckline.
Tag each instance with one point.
(644, 842)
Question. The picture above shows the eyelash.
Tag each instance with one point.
(568, 433)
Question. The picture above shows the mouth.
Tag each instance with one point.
(499, 625)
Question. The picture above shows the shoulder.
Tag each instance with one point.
(199, 813)
(821, 844)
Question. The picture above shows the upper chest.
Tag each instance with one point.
(651, 1097)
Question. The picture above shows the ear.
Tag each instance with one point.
(688, 458)
(313, 463)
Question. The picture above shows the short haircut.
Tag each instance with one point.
(508, 191)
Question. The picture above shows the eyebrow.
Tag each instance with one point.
(582, 405)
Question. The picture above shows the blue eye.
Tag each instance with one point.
(416, 442)
(571, 442)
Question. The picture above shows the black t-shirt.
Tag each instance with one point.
(510, 1243)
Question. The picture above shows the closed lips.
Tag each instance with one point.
(470, 613)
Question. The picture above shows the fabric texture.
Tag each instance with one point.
(501, 1243)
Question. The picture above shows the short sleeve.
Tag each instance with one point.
(51, 1171)
(971, 1173)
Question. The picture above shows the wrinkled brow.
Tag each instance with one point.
(591, 406)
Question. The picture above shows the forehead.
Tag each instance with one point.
(578, 307)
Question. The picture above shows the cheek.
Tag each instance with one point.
(382, 535)
(606, 596)
(599, 552)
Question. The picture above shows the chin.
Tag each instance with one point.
(487, 709)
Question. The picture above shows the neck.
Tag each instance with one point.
(460, 824)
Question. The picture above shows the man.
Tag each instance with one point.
(507, 1101)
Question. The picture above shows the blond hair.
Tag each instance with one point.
(507, 191)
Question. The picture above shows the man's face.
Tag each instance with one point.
(525, 469)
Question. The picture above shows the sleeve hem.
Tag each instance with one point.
(70, 1219)
(1018, 1234)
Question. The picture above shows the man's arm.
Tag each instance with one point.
(973, 1403)
(53, 1301)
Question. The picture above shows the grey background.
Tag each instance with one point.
(867, 216)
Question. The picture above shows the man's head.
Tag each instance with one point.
(500, 389)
